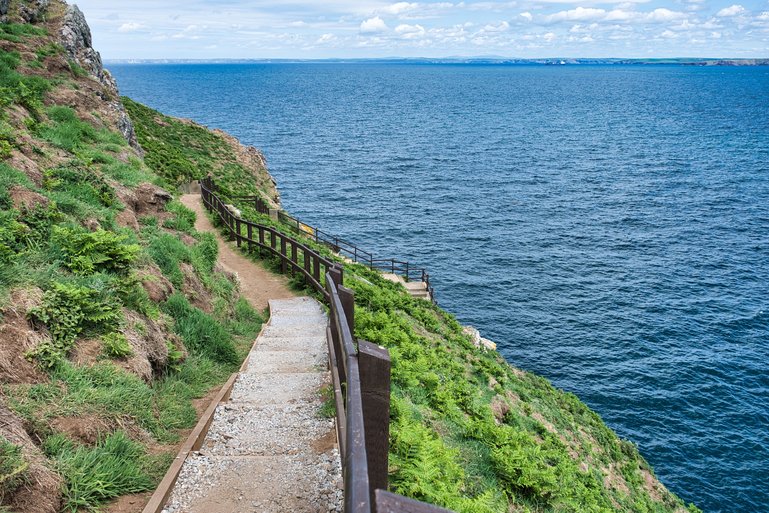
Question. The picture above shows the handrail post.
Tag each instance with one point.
(337, 274)
(283, 254)
(374, 364)
(347, 297)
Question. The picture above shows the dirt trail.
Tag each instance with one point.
(257, 284)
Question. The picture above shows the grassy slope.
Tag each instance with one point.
(90, 285)
(468, 431)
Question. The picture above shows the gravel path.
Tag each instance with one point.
(268, 450)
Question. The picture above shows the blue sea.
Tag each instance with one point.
(607, 226)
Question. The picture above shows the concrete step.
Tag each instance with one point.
(278, 388)
(264, 484)
(280, 307)
(287, 361)
(265, 430)
(305, 330)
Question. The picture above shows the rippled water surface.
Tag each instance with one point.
(607, 226)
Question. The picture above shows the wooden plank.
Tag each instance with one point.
(387, 502)
(374, 362)
(316, 267)
(356, 487)
(341, 416)
(347, 297)
(193, 443)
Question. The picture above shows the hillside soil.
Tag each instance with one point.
(257, 284)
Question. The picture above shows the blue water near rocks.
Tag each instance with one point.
(607, 226)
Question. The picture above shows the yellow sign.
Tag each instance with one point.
(307, 229)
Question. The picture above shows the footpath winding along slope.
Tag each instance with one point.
(257, 284)
(268, 450)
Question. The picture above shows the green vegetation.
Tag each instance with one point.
(13, 467)
(468, 431)
(67, 310)
(181, 152)
(62, 244)
(116, 345)
(17, 32)
(115, 466)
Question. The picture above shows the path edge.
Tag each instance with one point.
(195, 439)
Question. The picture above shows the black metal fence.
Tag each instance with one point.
(341, 246)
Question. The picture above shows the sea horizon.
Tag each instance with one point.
(601, 224)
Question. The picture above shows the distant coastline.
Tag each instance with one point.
(498, 61)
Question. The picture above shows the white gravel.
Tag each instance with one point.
(267, 450)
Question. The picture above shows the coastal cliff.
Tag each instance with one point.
(116, 316)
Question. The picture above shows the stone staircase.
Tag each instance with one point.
(267, 449)
(415, 288)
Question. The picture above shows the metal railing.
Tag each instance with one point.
(360, 370)
(341, 246)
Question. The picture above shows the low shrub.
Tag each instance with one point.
(116, 345)
(89, 252)
(67, 310)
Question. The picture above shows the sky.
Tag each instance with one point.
(303, 29)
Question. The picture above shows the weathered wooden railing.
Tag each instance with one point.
(340, 245)
(294, 256)
(360, 370)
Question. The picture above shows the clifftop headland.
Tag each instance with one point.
(116, 317)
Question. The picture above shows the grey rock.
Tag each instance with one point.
(34, 11)
(4, 7)
(78, 43)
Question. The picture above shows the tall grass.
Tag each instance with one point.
(116, 466)
(201, 332)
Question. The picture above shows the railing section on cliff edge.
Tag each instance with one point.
(340, 245)
(360, 371)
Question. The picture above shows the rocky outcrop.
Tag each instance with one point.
(76, 39)
(4, 10)
(477, 340)
(34, 12)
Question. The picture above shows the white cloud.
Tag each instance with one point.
(549, 37)
(526, 15)
(620, 15)
(499, 27)
(399, 8)
(664, 15)
(373, 25)
(410, 31)
(733, 10)
(130, 27)
(325, 38)
(669, 34)
(578, 14)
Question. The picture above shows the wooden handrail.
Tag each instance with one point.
(360, 370)
(342, 246)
